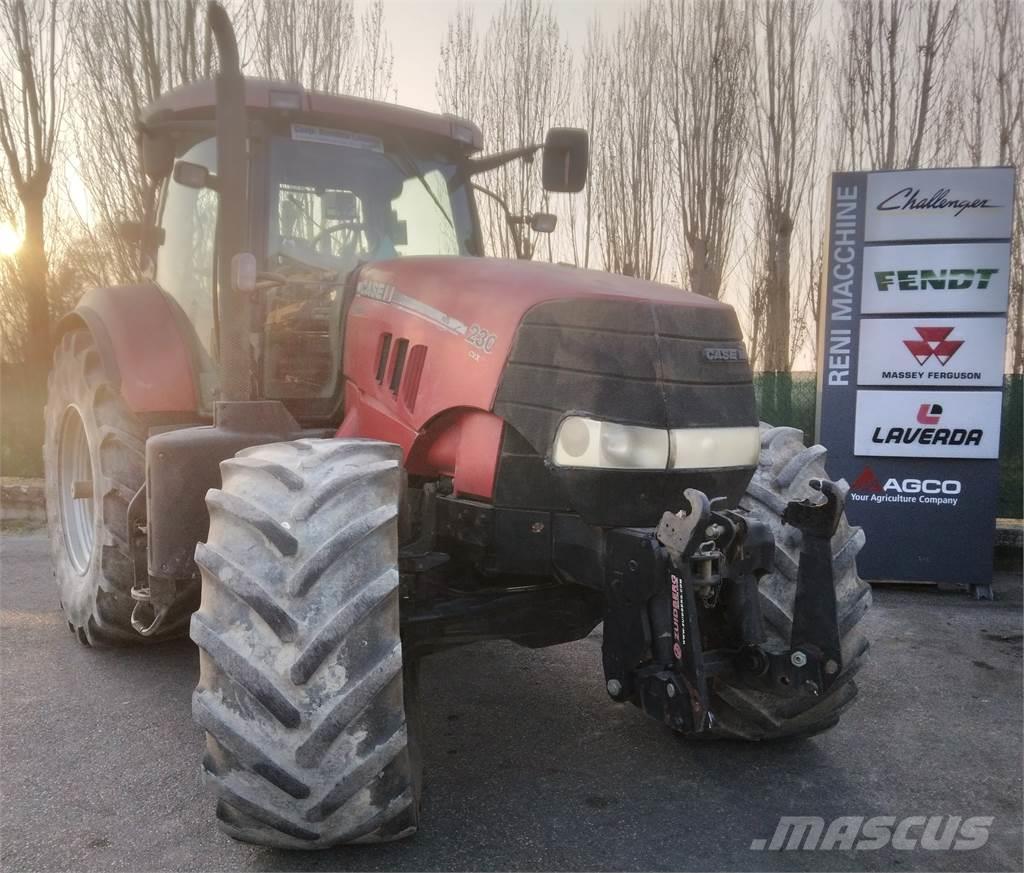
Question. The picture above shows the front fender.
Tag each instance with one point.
(141, 345)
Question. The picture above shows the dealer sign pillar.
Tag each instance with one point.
(911, 347)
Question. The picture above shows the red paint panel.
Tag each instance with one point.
(464, 312)
(150, 354)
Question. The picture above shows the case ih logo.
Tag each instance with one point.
(933, 343)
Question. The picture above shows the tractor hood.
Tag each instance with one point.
(534, 342)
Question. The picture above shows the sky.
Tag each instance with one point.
(417, 29)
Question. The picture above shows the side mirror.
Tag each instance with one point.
(194, 176)
(543, 222)
(157, 155)
(566, 159)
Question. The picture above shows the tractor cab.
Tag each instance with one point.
(333, 182)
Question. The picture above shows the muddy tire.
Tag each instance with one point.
(301, 690)
(94, 440)
(785, 469)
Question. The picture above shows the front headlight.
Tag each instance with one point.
(710, 448)
(587, 442)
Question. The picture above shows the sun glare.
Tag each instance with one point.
(10, 240)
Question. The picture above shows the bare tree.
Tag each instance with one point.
(309, 42)
(784, 76)
(527, 73)
(631, 153)
(893, 81)
(375, 58)
(32, 103)
(706, 104)
(458, 83)
(128, 53)
(589, 110)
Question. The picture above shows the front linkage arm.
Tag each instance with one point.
(683, 607)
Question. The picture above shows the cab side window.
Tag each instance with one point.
(185, 261)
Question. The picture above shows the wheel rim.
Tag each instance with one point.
(77, 504)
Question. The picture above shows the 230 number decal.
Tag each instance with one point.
(480, 338)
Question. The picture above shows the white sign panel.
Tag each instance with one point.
(931, 352)
(928, 424)
(939, 204)
(971, 277)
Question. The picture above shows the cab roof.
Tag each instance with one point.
(196, 100)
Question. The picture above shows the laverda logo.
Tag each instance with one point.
(913, 200)
(929, 415)
(934, 342)
(952, 279)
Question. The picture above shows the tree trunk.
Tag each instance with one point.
(32, 268)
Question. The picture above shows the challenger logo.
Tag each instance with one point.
(929, 415)
(952, 279)
(933, 342)
(912, 200)
(867, 487)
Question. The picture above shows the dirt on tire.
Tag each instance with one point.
(301, 690)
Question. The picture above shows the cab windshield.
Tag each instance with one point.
(338, 199)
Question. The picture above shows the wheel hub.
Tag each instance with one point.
(75, 489)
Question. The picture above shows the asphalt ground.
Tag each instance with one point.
(528, 764)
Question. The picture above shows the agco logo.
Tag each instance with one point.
(868, 483)
(951, 279)
(929, 414)
(867, 487)
(933, 343)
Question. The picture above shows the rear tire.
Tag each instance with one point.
(92, 437)
(784, 473)
(301, 688)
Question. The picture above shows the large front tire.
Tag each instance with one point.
(301, 688)
(786, 468)
(94, 455)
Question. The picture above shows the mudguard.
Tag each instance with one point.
(144, 352)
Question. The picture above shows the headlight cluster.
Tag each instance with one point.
(587, 442)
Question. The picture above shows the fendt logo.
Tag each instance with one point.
(934, 342)
(868, 487)
(951, 279)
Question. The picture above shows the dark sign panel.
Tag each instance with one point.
(910, 364)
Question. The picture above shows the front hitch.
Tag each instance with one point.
(683, 608)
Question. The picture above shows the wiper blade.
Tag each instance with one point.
(409, 166)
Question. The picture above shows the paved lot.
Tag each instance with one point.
(529, 766)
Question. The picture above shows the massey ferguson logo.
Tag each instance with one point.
(868, 487)
(934, 342)
(929, 414)
(912, 200)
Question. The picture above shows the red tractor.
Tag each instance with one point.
(330, 437)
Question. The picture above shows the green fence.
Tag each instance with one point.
(789, 398)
